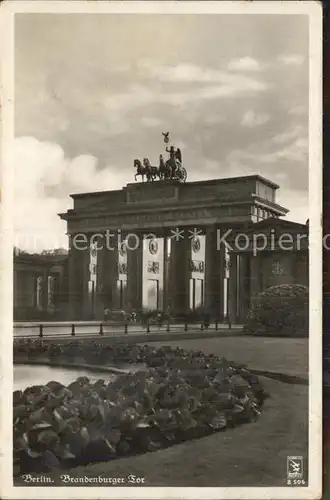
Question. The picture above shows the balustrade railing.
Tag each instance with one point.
(94, 329)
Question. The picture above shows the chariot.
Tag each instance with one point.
(171, 168)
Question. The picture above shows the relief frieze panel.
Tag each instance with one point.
(196, 192)
(224, 193)
(197, 266)
(122, 267)
(157, 193)
(153, 267)
(150, 217)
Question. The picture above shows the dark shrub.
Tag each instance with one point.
(279, 310)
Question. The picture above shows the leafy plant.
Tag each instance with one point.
(138, 412)
(279, 310)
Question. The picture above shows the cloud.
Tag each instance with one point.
(43, 180)
(214, 119)
(244, 64)
(298, 207)
(181, 73)
(298, 111)
(190, 73)
(234, 89)
(150, 121)
(293, 132)
(296, 151)
(292, 59)
(139, 96)
(283, 157)
(185, 73)
(252, 119)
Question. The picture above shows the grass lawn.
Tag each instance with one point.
(251, 455)
(283, 355)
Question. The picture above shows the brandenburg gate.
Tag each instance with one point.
(164, 240)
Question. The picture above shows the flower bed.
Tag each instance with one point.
(182, 395)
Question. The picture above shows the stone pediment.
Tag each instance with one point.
(279, 227)
(273, 225)
(151, 192)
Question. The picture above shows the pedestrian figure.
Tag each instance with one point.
(206, 319)
(133, 317)
(160, 318)
(106, 315)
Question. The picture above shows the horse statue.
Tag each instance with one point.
(144, 169)
(165, 170)
(140, 169)
(152, 172)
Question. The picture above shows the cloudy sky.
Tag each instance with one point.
(93, 92)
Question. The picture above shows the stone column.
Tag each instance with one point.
(108, 274)
(244, 287)
(87, 300)
(99, 299)
(214, 275)
(44, 293)
(166, 268)
(134, 271)
(179, 276)
(255, 272)
(73, 285)
(233, 288)
(78, 279)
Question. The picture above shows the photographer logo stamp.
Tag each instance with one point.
(295, 467)
(295, 471)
